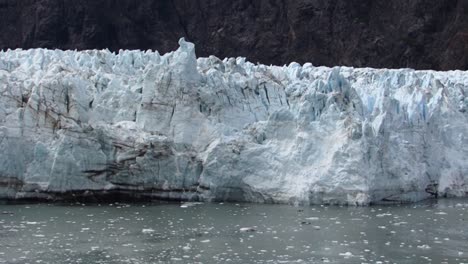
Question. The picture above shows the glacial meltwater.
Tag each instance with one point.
(428, 232)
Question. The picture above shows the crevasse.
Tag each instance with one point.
(177, 127)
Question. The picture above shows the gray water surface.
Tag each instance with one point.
(430, 232)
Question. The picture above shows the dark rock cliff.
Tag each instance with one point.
(422, 34)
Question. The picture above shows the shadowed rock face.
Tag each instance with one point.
(421, 34)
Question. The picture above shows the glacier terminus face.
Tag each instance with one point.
(176, 127)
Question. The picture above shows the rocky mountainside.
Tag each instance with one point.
(177, 127)
(421, 34)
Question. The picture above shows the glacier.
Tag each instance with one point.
(178, 127)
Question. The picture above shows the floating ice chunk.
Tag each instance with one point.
(424, 246)
(440, 213)
(187, 247)
(189, 204)
(248, 229)
(147, 230)
(346, 254)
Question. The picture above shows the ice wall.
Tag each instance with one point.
(178, 127)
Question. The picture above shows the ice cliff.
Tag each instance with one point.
(176, 127)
